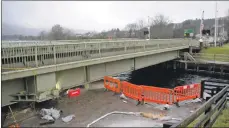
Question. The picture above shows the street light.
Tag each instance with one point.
(149, 27)
(215, 23)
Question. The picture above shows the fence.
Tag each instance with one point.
(112, 84)
(132, 91)
(212, 87)
(187, 92)
(213, 106)
(158, 95)
(153, 94)
(211, 57)
(37, 55)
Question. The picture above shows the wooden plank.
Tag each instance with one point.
(216, 116)
(208, 115)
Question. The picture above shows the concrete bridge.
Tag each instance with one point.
(38, 71)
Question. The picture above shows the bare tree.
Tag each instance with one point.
(57, 32)
(129, 29)
(140, 24)
(132, 28)
(160, 20)
(161, 27)
(226, 23)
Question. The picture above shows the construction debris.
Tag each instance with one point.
(124, 101)
(47, 117)
(122, 96)
(166, 118)
(152, 116)
(166, 107)
(68, 118)
(197, 100)
(52, 112)
(48, 122)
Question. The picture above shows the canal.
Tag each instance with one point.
(161, 76)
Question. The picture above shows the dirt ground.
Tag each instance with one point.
(92, 104)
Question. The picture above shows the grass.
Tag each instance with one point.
(216, 50)
(221, 121)
(191, 125)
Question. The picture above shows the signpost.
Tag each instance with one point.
(188, 32)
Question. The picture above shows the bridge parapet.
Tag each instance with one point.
(21, 56)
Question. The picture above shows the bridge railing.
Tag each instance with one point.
(21, 57)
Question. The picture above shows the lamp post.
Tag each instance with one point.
(215, 23)
(149, 27)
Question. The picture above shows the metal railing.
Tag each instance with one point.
(30, 56)
(210, 109)
(211, 57)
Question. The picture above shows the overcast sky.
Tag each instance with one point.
(102, 15)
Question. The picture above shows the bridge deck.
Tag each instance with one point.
(17, 57)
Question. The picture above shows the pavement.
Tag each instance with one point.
(92, 104)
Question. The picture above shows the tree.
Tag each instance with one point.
(57, 32)
(131, 28)
(226, 23)
(140, 24)
(161, 27)
(160, 20)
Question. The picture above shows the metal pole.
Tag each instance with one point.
(215, 22)
(201, 24)
(149, 27)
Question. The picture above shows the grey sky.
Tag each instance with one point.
(102, 15)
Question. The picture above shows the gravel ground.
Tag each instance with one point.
(95, 103)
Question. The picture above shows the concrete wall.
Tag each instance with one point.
(96, 72)
(145, 61)
(71, 77)
(11, 87)
(46, 82)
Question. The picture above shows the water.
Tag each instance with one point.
(163, 77)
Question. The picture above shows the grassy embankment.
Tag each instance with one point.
(209, 53)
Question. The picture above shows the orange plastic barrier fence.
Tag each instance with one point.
(153, 94)
(132, 91)
(187, 92)
(112, 84)
(157, 95)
